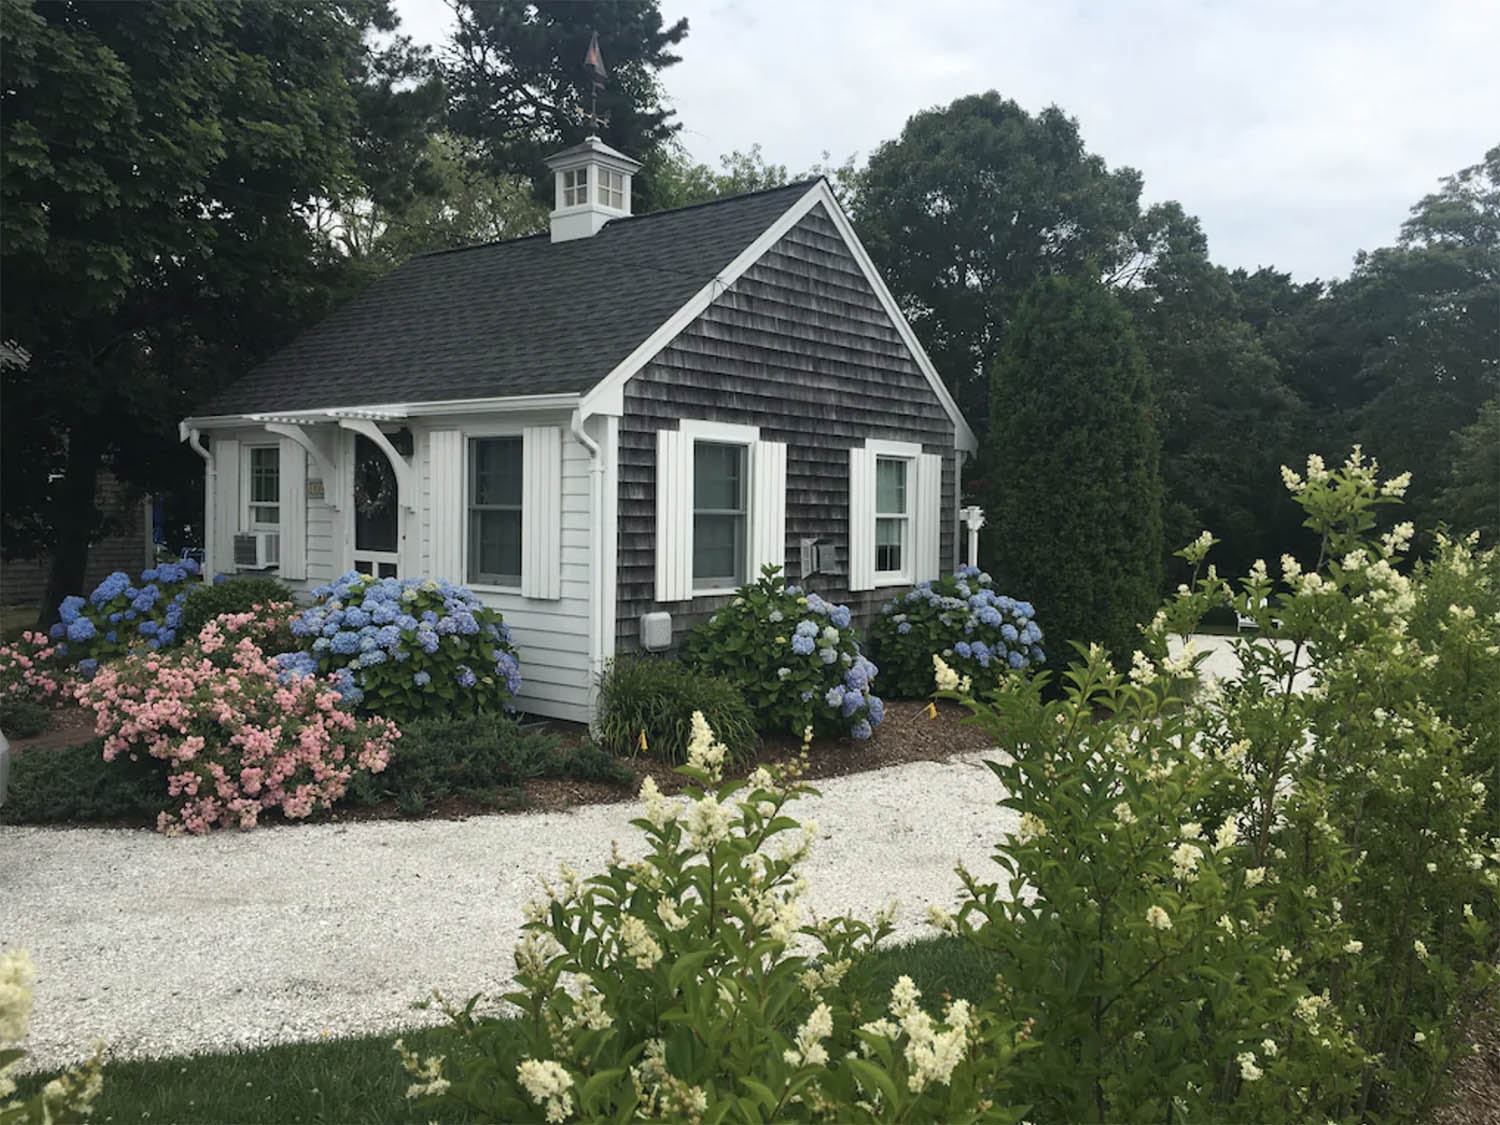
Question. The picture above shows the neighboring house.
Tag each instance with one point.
(627, 417)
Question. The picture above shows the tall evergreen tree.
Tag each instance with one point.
(1073, 494)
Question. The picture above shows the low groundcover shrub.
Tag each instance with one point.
(230, 594)
(960, 617)
(794, 657)
(407, 648)
(239, 734)
(653, 698)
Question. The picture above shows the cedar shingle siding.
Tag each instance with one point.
(801, 347)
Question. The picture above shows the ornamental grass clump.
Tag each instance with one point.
(1274, 898)
(794, 657)
(119, 613)
(240, 735)
(690, 985)
(978, 632)
(407, 648)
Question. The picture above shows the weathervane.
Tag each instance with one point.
(593, 62)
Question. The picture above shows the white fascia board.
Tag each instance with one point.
(389, 412)
(883, 448)
(963, 434)
(610, 389)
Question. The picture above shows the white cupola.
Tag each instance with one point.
(593, 186)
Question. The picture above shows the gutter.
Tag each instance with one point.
(210, 473)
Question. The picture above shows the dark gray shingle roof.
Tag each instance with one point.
(509, 318)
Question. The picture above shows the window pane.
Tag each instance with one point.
(265, 513)
(890, 536)
(890, 485)
(718, 477)
(495, 547)
(265, 474)
(496, 473)
(718, 550)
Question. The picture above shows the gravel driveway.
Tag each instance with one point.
(167, 946)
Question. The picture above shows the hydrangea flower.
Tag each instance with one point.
(802, 644)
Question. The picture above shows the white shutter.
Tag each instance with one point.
(541, 512)
(767, 506)
(861, 519)
(445, 461)
(292, 502)
(674, 516)
(227, 513)
(927, 519)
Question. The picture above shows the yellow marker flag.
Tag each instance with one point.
(641, 742)
(931, 710)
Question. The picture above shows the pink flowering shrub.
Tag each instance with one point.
(31, 670)
(239, 735)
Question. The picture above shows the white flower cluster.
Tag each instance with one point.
(638, 944)
(1249, 1071)
(1142, 670)
(1158, 919)
(931, 1055)
(809, 1049)
(428, 1072)
(1185, 862)
(659, 1093)
(946, 677)
(703, 752)
(548, 1084)
(1032, 827)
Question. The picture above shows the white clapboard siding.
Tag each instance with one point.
(674, 516)
(292, 506)
(861, 519)
(541, 512)
(445, 457)
(927, 517)
(321, 566)
(226, 453)
(767, 505)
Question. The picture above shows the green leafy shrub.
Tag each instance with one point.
(655, 698)
(480, 757)
(1266, 899)
(408, 648)
(793, 656)
(22, 718)
(74, 784)
(960, 617)
(241, 594)
(119, 614)
(668, 988)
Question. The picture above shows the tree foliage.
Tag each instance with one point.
(970, 206)
(1073, 455)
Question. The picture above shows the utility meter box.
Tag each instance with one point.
(656, 631)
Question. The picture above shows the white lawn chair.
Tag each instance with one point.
(1245, 621)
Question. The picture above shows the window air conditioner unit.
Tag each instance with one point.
(257, 550)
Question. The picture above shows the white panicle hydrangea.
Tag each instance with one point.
(1123, 813)
(931, 1055)
(1397, 539)
(707, 823)
(428, 1072)
(1248, 1070)
(1317, 472)
(1255, 876)
(703, 752)
(1032, 827)
(1354, 946)
(17, 976)
(1192, 830)
(659, 810)
(1291, 569)
(1182, 663)
(1200, 546)
(588, 1010)
(1226, 836)
(1142, 670)
(1258, 573)
(1292, 481)
(808, 1049)
(1396, 486)
(548, 1084)
(669, 916)
(1158, 919)
(1185, 861)
(1268, 1048)
(947, 678)
(1420, 947)
(639, 945)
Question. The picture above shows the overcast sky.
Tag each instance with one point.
(1298, 131)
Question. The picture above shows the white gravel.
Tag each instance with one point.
(164, 946)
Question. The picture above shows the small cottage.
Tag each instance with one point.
(602, 430)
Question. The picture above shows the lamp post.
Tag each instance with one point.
(973, 516)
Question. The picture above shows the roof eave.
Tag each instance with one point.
(391, 411)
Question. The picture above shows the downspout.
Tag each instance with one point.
(597, 577)
(210, 487)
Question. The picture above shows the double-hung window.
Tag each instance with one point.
(575, 187)
(494, 502)
(892, 520)
(718, 515)
(265, 488)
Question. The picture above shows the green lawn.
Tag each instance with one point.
(361, 1081)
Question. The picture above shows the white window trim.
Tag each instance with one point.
(247, 487)
(910, 452)
(903, 576)
(723, 433)
(468, 434)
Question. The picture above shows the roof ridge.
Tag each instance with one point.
(702, 203)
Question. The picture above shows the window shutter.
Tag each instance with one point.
(927, 517)
(674, 516)
(445, 467)
(227, 514)
(292, 474)
(541, 513)
(767, 506)
(861, 519)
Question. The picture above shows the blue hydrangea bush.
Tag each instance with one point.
(961, 618)
(794, 656)
(120, 612)
(407, 648)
